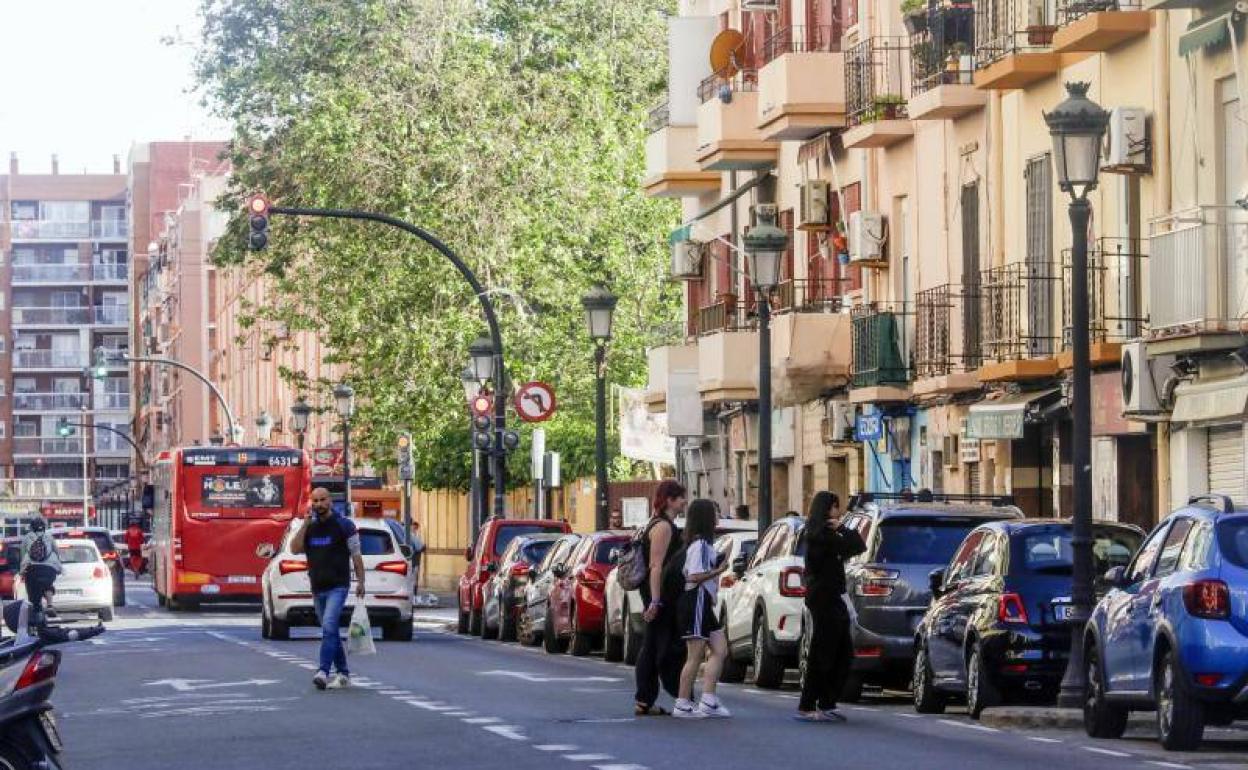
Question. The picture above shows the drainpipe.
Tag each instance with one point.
(996, 175)
(1163, 468)
(1161, 117)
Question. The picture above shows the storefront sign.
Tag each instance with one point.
(869, 427)
(327, 461)
(995, 424)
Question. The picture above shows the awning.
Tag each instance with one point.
(1005, 417)
(1210, 30)
(1211, 401)
(685, 231)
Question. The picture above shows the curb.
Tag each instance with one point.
(1045, 717)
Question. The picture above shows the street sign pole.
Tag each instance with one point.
(406, 474)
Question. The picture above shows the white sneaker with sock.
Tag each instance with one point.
(684, 709)
(339, 681)
(713, 708)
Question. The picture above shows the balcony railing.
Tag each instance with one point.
(49, 359)
(46, 402)
(1005, 27)
(801, 39)
(1189, 290)
(112, 401)
(42, 488)
(658, 118)
(49, 229)
(942, 53)
(1069, 11)
(808, 295)
(112, 315)
(877, 80)
(724, 316)
(718, 85)
(1115, 278)
(114, 272)
(35, 445)
(879, 342)
(110, 228)
(941, 311)
(24, 273)
(52, 316)
(1018, 307)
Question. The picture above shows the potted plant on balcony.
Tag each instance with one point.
(888, 106)
(957, 62)
(1039, 28)
(914, 15)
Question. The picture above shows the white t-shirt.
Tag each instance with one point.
(700, 558)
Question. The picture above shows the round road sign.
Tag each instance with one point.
(535, 402)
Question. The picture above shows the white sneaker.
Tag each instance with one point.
(685, 710)
(320, 679)
(714, 710)
(339, 681)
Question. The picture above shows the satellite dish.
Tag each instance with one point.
(726, 50)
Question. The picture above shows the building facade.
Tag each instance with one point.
(922, 327)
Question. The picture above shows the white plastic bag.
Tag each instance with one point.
(360, 633)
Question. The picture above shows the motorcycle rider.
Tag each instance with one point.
(40, 567)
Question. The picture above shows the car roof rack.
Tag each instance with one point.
(924, 496)
(1224, 503)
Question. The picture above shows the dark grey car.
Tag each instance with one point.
(532, 610)
(888, 584)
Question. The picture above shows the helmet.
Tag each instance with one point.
(37, 524)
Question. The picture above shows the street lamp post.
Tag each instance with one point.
(487, 365)
(765, 244)
(86, 478)
(264, 428)
(299, 413)
(599, 306)
(1077, 126)
(344, 402)
(477, 502)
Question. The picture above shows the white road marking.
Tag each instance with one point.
(308, 666)
(1175, 765)
(456, 713)
(190, 685)
(967, 726)
(1106, 752)
(1038, 739)
(427, 706)
(542, 679)
(507, 731)
(555, 747)
(862, 708)
(904, 715)
(482, 720)
(588, 757)
(620, 767)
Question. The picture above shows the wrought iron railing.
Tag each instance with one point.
(940, 312)
(1018, 303)
(802, 39)
(1115, 297)
(879, 342)
(723, 316)
(1069, 11)
(808, 295)
(719, 85)
(1005, 27)
(942, 51)
(658, 118)
(877, 80)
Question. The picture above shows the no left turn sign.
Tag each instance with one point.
(535, 402)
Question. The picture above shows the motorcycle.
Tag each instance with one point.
(29, 736)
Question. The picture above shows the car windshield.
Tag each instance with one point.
(536, 551)
(921, 540)
(101, 539)
(77, 554)
(375, 543)
(1233, 540)
(510, 532)
(1049, 551)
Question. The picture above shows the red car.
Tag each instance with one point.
(483, 556)
(10, 560)
(577, 602)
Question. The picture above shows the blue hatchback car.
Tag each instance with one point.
(1172, 634)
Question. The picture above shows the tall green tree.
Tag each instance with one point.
(511, 128)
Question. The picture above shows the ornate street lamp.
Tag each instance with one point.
(264, 428)
(1077, 126)
(344, 403)
(599, 304)
(765, 245)
(300, 411)
(482, 352)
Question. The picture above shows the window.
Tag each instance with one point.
(988, 557)
(970, 274)
(65, 211)
(920, 540)
(1196, 551)
(4, 344)
(1233, 540)
(1040, 273)
(375, 543)
(24, 210)
(4, 426)
(1168, 562)
(1143, 563)
(960, 566)
(765, 545)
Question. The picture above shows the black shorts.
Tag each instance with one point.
(696, 615)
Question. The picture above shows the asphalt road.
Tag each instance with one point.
(204, 691)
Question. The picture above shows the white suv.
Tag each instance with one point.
(764, 624)
(287, 595)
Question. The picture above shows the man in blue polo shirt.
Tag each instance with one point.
(332, 545)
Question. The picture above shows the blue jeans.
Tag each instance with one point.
(329, 606)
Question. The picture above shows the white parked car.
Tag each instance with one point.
(623, 640)
(84, 586)
(765, 605)
(286, 595)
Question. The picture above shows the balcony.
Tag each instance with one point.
(880, 370)
(1095, 26)
(112, 402)
(111, 315)
(1013, 44)
(51, 316)
(876, 83)
(728, 138)
(1198, 292)
(110, 229)
(51, 274)
(943, 65)
(726, 315)
(50, 359)
(672, 169)
(801, 88)
(48, 402)
(810, 342)
(947, 340)
(1018, 321)
(49, 230)
(728, 366)
(112, 273)
(1115, 314)
(666, 363)
(35, 445)
(42, 488)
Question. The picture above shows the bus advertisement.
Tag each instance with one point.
(218, 516)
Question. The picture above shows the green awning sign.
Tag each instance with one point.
(1205, 32)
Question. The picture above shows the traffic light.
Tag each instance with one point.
(258, 217)
(481, 425)
(99, 370)
(63, 428)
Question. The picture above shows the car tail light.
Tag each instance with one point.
(1015, 668)
(98, 573)
(393, 567)
(1208, 680)
(109, 555)
(592, 578)
(1209, 599)
(40, 668)
(877, 582)
(728, 581)
(287, 566)
(791, 582)
(520, 570)
(1010, 609)
(868, 652)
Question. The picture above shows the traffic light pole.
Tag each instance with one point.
(86, 474)
(229, 414)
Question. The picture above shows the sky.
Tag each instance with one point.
(85, 79)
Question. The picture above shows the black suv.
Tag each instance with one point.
(907, 537)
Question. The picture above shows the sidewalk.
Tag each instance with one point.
(1050, 718)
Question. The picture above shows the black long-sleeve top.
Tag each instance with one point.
(826, 552)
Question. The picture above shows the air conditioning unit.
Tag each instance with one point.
(759, 5)
(814, 212)
(866, 237)
(1126, 140)
(838, 424)
(1142, 378)
(949, 450)
(687, 258)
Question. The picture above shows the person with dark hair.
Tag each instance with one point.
(659, 659)
(696, 612)
(828, 545)
(40, 567)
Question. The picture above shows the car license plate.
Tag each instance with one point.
(50, 730)
(69, 591)
(1064, 613)
(245, 579)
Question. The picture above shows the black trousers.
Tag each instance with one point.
(831, 653)
(39, 578)
(660, 659)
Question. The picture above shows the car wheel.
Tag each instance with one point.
(852, 691)
(581, 642)
(119, 594)
(398, 631)
(981, 693)
(550, 640)
(461, 627)
(487, 631)
(13, 758)
(474, 623)
(927, 699)
(528, 635)
(279, 630)
(768, 667)
(506, 623)
(1101, 719)
(632, 639)
(265, 633)
(1180, 717)
(106, 615)
(613, 648)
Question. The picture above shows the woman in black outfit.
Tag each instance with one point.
(661, 656)
(828, 545)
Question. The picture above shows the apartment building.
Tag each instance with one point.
(922, 330)
(66, 265)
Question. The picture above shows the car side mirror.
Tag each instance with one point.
(407, 552)
(468, 554)
(936, 581)
(738, 566)
(1116, 577)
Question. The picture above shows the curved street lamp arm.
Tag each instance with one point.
(96, 426)
(229, 415)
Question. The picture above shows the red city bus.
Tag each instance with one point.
(218, 517)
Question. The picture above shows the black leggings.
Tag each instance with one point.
(831, 653)
(39, 578)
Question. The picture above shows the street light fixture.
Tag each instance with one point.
(599, 306)
(1077, 126)
(344, 402)
(300, 411)
(477, 487)
(264, 428)
(482, 352)
(765, 245)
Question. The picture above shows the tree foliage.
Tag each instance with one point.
(513, 129)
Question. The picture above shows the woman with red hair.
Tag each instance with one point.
(661, 656)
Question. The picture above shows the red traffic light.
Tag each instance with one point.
(258, 205)
(482, 405)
